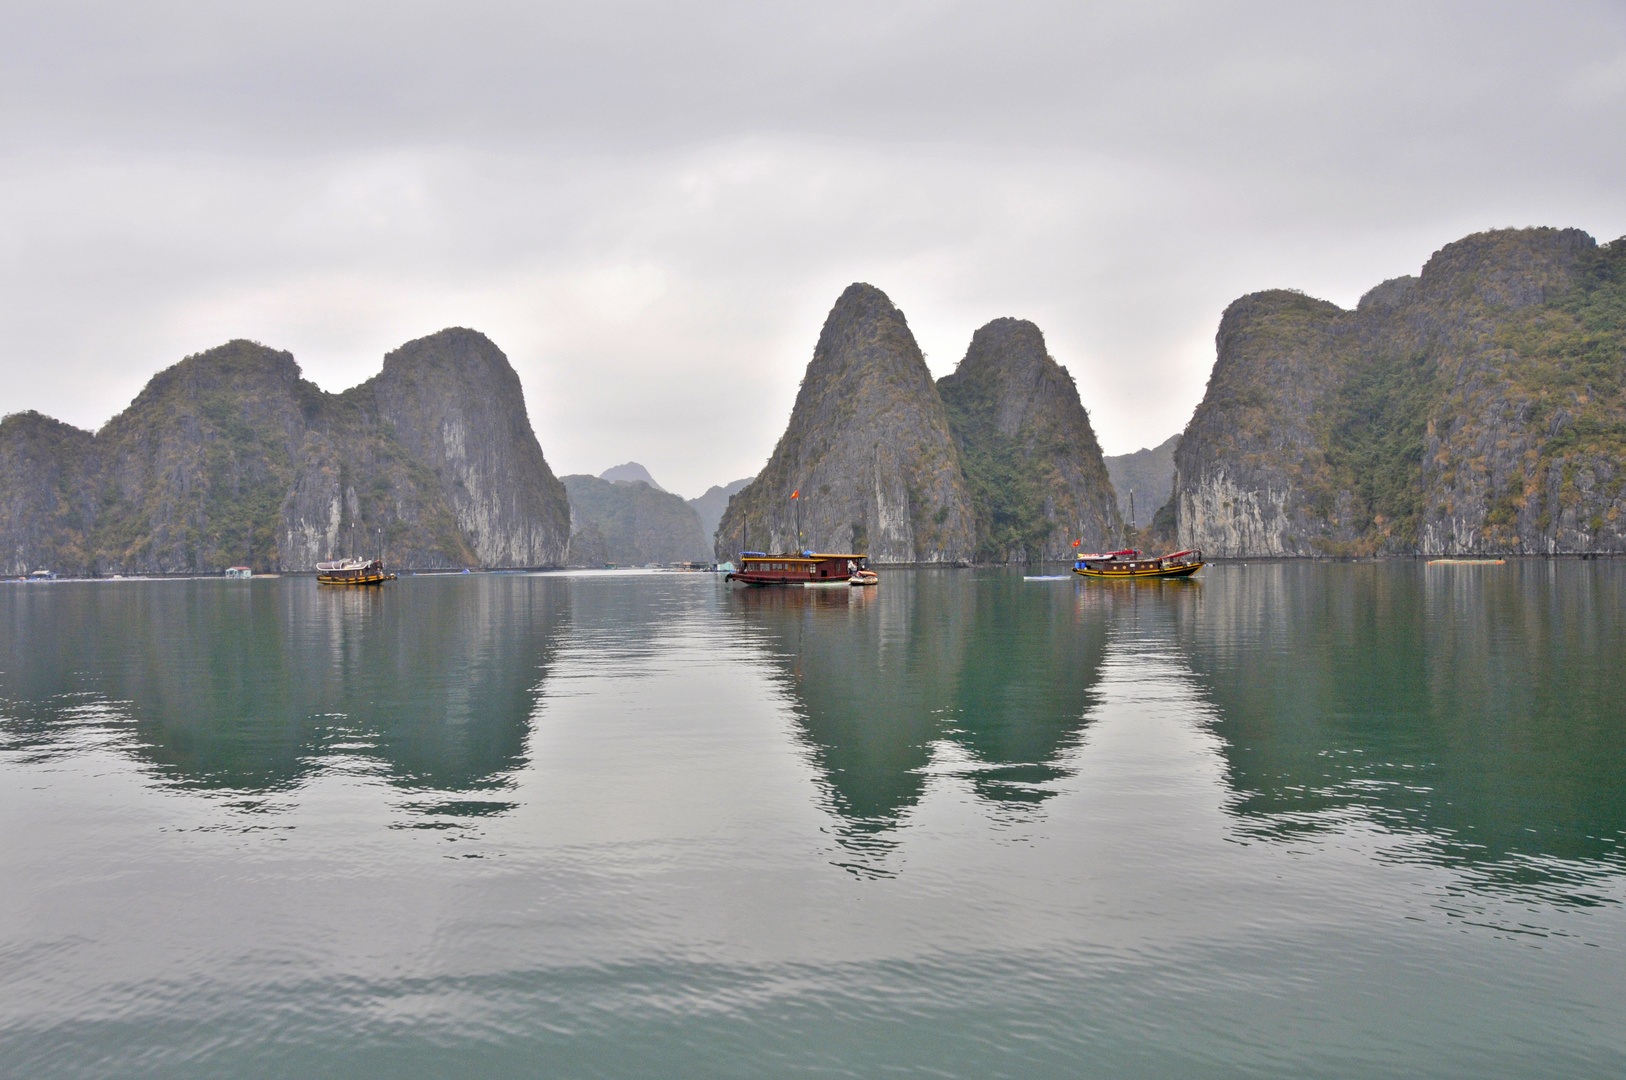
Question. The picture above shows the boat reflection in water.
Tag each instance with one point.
(952, 673)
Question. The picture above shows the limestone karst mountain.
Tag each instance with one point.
(1478, 407)
(1149, 474)
(711, 505)
(630, 522)
(869, 449)
(231, 456)
(1030, 457)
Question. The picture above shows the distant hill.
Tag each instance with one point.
(631, 472)
(630, 523)
(231, 457)
(1147, 472)
(711, 505)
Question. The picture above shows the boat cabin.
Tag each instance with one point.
(803, 568)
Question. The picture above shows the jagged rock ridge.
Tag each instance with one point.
(1030, 457)
(231, 457)
(869, 448)
(1478, 407)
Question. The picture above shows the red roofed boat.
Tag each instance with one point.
(807, 569)
(1129, 565)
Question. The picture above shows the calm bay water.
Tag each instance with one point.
(1281, 820)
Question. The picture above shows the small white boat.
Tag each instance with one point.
(864, 577)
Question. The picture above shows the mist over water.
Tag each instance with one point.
(1281, 819)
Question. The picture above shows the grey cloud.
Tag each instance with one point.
(650, 207)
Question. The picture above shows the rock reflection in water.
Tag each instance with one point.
(1474, 707)
(253, 686)
(976, 674)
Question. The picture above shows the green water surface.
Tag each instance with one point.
(1283, 819)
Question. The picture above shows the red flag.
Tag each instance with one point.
(796, 494)
(1075, 543)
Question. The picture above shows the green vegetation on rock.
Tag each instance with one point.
(1030, 457)
(1478, 407)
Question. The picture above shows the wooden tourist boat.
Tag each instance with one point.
(809, 569)
(1128, 565)
(353, 572)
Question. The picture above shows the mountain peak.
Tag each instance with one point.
(1029, 453)
(631, 472)
(867, 447)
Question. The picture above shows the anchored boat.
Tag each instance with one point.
(807, 569)
(1129, 565)
(353, 572)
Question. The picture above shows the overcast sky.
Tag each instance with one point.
(651, 207)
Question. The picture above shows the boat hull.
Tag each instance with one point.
(357, 579)
(1139, 575)
(755, 582)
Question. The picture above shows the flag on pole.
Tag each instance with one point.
(796, 494)
(1075, 543)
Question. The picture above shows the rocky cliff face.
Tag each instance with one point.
(1030, 457)
(1478, 407)
(1149, 474)
(231, 457)
(454, 403)
(46, 498)
(628, 522)
(869, 448)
